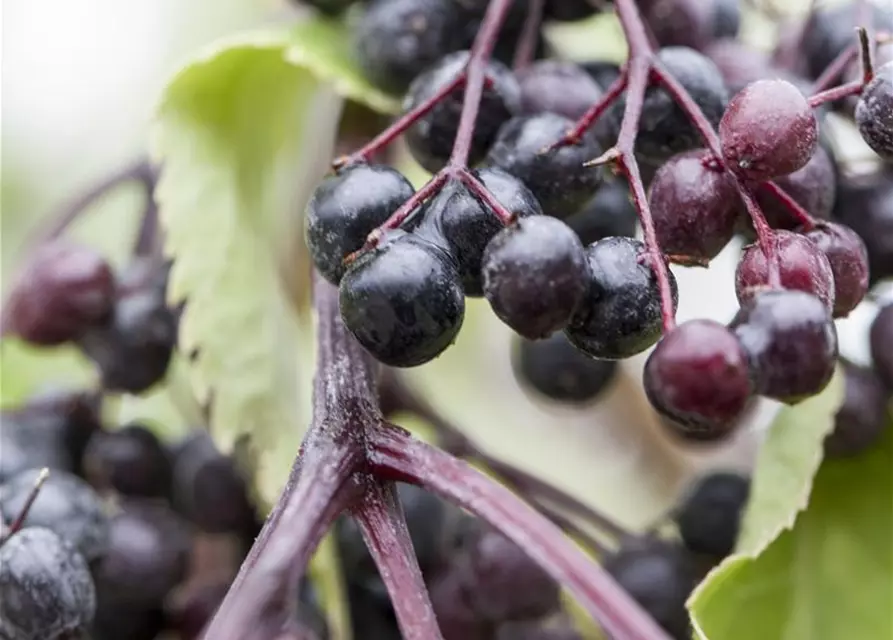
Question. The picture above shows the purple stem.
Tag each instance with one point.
(397, 455)
(853, 88)
(806, 221)
(530, 32)
(29, 502)
(588, 119)
(477, 188)
(381, 520)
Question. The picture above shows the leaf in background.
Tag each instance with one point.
(244, 132)
(828, 577)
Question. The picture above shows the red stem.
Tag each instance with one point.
(804, 219)
(588, 119)
(400, 125)
(833, 71)
(477, 188)
(765, 237)
(29, 502)
(397, 455)
(830, 95)
(476, 72)
(381, 521)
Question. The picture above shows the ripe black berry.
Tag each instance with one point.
(862, 417)
(64, 290)
(619, 315)
(610, 212)
(698, 376)
(692, 23)
(208, 489)
(874, 112)
(403, 300)
(131, 461)
(659, 576)
(557, 370)
(557, 178)
(134, 347)
(147, 556)
(46, 592)
(535, 275)
(709, 516)
(867, 208)
(345, 208)
(694, 208)
(664, 128)
(65, 504)
(395, 40)
(558, 86)
(430, 139)
(831, 29)
(790, 341)
(769, 130)
(802, 266)
(848, 258)
(467, 225)
(881, 338)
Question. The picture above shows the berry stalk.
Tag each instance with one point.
(526, 49)
(398, 456)
(29, 501)
(804, 219)
(387, 537)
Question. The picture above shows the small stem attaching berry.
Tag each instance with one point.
(530, 34)
(853, 88)
(588, 119)
(765, 235)
(29, 502)
(804, 220)
(477, 188)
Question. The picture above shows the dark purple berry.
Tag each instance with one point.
(848, 258)
(610, 212)
(430, 139)
(698, 376)
(535, 275)
(790, 341)
(395, 40)
(604, 72)
(739, 63)
(46, 592)
(692, 23)
(831, 29)
(345, 208)
(874, 112)
(131, 461)
(557, 177)
(659, 576)
(64, 290)
(866, 206)
(620, 313)
(694, 208)
(557, 370)
(862, 417)
(801, 263)
(557, 86)
(768, 130)
(467, 225)
(403, 300)
(709, 516)
(881, 338)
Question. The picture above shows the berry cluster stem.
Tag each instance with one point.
(530, 33)
(29, 502)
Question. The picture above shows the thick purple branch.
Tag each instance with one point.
(396, 455)
(384, 529)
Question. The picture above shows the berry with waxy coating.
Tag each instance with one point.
(619, 315)
(768, 130)
(131, 460)
(862, 417)
(46, 592)
(709, 516)
(694, 208)
(802, 267)
(430, 138)
(610, 212)
(874, 112)
(403, 300)
(790, 341)
(556, 369)
(866, 206)
(466, 224)
(395, 40)
(692, 23)
(664, 128)
(345, 208)
(558, 86)
(64, 290)
(881, 340)
(848, 258)
(65, 504)
(698, 376)
(557, 178)
(659, 576)
(535, 275)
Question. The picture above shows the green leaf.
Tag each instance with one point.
(244, 132)
(829, 576)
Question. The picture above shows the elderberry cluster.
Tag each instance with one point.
(515, 214)
(127, 537)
